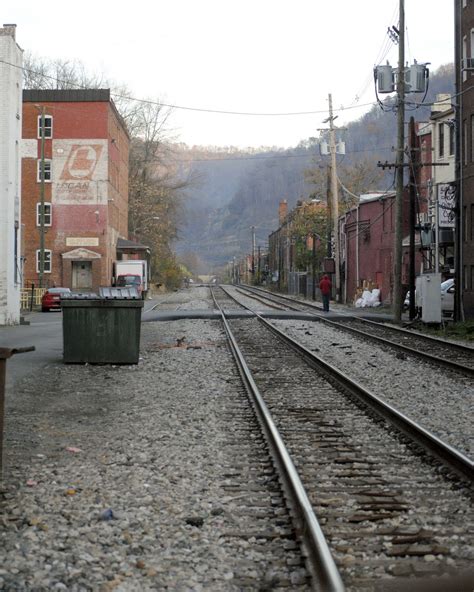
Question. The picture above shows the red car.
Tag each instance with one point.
(52, 298)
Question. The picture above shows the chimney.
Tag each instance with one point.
(8, 30)
(282, 211)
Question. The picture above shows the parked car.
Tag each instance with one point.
(51, 299)
(447, 298)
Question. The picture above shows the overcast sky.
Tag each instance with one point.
(259, 56)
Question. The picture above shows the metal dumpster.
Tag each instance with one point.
(102, 329)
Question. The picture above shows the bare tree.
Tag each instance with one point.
(156, 183)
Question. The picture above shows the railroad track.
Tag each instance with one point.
(262, 519)
(456, 357)
(384, 503)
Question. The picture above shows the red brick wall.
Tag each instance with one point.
(105, 220)
(376, 240)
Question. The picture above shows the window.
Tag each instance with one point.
(464, 56)
(47, 261)
(47, 171)
(47, 214)
(451, 139)
(465, 225)
(48, 126)
(465, 144)
(472, 221)
(441, 140)
(472, 138)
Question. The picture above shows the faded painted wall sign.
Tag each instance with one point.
(80, 172)
(86, 241)
(446, 205)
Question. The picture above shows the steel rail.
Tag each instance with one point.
(433, 445)
(466, 370)
(427, 338)
(319, 560)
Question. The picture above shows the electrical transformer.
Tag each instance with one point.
(323, 145)
(385, 79)
(415, 78)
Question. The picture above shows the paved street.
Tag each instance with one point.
(45, 333)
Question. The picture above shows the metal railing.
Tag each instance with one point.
(31, 297)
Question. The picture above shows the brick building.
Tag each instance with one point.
(366, 239)
(86, 151)
(292, 261)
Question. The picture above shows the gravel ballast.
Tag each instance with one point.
(132, 477)
(441, 401)
(122, 477)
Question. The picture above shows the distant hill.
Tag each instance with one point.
(235, 189)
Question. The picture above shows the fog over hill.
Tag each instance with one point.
(237, 189)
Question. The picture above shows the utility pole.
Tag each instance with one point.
(41, 249)
(459, 159)
(258, 264)
(397, 262)
(328, 202)
(313, 271)
(253, 254)
(335, 200)
(413, 163)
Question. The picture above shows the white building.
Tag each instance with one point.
(11, 59)
(443, 192)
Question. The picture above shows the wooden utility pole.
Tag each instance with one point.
(328, 202)
(334, 200)
(258, 265)
(397, 250)
(459, 159)
(412, 218)
(253, 254)
(41, 212)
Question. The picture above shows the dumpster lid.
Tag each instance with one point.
(79, 296)
(113, 293)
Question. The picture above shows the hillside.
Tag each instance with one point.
(235, 190)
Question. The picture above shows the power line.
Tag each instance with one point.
(188, 108)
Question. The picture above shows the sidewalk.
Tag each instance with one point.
(44, 333)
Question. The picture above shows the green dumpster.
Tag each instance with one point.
(101, 330)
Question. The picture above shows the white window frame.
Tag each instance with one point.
(464, 57)
(451, 140)
(47, 161)
(48, 129)
(441, 140)
(48, 256)
(48, 213)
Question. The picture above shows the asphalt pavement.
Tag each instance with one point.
(44, 332)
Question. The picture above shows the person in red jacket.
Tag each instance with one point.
(325, 287)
